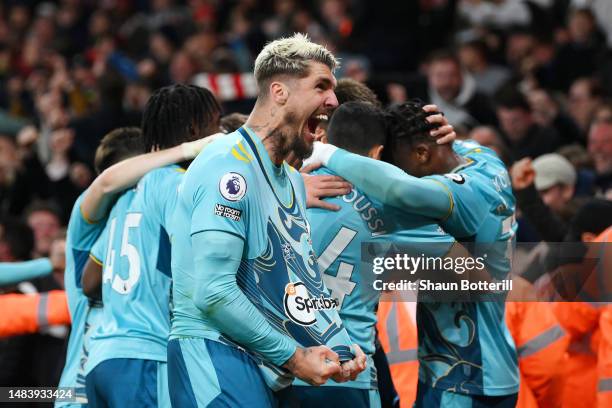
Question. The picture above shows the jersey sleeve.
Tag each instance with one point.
(83, 232)
(15, 272)
(161, 192)
(221, 199)
(391, 185)
(467, 206)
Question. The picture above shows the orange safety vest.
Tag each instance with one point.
(604, 360)
(26, 314)
(398, 336)
(540, 345)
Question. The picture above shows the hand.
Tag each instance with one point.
(192, 149)
(444, 133)
(27, 136)
(522, 174)
(320, 186)
(352, 368)
(315, 365)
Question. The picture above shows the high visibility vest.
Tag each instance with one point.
(604, 358)
(398, 336)
(27, 314)
(540, 344)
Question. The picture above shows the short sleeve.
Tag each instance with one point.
(82, 231)
(221, 200)
(468, 207)
(161, 192)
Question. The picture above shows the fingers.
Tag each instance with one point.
(327, 353)
(449, 138)
(310, 167)
(437, 119)
(316, 203)
(442, 131)
(360, 358)
(431, 108)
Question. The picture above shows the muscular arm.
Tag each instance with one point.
(216, 293)
(391, 185)
(125, 174)
(15, 272)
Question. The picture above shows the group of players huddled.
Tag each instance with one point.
(200, 272)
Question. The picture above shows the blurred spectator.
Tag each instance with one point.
(44, 220)
(489, 78)
(525, 137)
(496, 14)
(548, 205)
(455, 92)
(600, 148)
(602, 10)
(555, 180)
(603, 113)
(489, 136)
(548, 113)
(584, 98)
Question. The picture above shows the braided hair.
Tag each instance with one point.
(177, 113)
(407, 123)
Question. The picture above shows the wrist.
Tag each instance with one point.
(292, 363)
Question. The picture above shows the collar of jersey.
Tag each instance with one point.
(263, 159)
(470, 162)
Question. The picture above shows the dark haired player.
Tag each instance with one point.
(468, 193)
(118, 170)
(127, 356)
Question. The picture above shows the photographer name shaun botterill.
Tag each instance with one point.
(428, 285)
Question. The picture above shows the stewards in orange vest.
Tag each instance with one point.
(26, 314)
(398, 336)
(540, 345)
(604, 361)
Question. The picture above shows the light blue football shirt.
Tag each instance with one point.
(234, 187)
(136, 276)
(80, 238)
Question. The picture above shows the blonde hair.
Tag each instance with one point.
(290, 56)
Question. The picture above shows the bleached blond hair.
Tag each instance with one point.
(290, 56)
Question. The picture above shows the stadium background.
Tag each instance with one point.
(535, 77)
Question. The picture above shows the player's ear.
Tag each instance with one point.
(422, 153)
(376, 152)
(279, 92)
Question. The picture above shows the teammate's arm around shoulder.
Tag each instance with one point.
(385, 182)
(126, 173)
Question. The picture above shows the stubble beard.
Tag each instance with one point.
(287, 139)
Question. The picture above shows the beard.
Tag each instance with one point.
(287, 139)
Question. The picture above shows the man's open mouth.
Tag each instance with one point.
(314, 121)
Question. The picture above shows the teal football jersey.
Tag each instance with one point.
(234, 187)
(337, 238)
(480, 357)
(80, 238)
(136, 276)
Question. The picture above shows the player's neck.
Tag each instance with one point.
(451, 162)
(265, 121)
